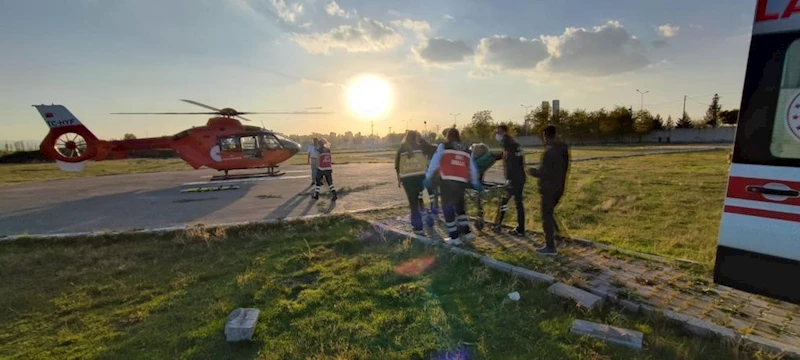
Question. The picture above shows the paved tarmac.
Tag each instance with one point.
(154, 200)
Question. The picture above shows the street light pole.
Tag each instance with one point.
(454, 118)
(641, 107)
(525, 118)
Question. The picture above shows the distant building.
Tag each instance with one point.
(556, 106)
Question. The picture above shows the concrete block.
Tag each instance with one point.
(772, 346)
(628, 305)
(531, 275)
(584, 299)
(620, 336)
(497, 265)
(241, 324)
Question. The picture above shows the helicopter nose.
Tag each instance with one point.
(293, 147)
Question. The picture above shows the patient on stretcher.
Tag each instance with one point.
(484, 159)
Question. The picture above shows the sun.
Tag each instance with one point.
(369, 96)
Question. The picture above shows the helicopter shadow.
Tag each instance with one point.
(131, 210)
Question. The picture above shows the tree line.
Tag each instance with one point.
(604, 124)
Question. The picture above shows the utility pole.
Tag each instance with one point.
(372, 128)
(525, 118)
(683, 114)
(407, 121)
(425, 124)
(641, 107)
(390, 130)
(454, 119)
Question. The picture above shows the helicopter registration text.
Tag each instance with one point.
(60, 123)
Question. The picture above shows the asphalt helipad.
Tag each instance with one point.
(153, 200)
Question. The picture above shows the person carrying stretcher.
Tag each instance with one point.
(514, 166)
(457, 170)
(410, 164)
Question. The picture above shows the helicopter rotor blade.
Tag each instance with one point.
(243, 118)
(289, 113)
(165, 113)
(200, 104)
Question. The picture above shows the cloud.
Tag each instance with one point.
(504, 52)
(668, 30)
(448, 18)
(368, 36)
(333, 9)
(441, 51)
(288, 13)
(603, 50)
(419, 27)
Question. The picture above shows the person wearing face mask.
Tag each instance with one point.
(552, 174)
(513, 164)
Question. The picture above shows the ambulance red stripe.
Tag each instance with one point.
(769, 214)
(737, 189)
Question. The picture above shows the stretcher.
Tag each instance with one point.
(491, 190)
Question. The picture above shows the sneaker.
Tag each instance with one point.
(516, 233)
(419, 232)
(430, 221)
(546, 251)
(497, 229)
(455, 242)
(315, 196)
(468, 237)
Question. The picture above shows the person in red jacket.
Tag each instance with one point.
(324, 169)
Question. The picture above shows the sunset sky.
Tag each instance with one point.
(438, 57)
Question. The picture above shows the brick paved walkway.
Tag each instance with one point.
(665, 285)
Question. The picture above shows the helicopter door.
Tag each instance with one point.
(250, 147)
(230, 148)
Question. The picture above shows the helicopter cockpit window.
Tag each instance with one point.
(229, 144)
(269, 142)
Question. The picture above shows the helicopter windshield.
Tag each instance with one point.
(269, 142)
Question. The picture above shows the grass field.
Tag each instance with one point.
(20, 173)
(326, 289)
(660, 204)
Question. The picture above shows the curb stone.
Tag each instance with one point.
(162, 230)
(694, 325)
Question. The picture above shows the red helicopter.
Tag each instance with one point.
(223, 143)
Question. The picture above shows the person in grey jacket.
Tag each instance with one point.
(552, 175)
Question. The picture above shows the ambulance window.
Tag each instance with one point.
(785, 139)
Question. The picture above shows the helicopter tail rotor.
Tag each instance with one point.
(69, 142)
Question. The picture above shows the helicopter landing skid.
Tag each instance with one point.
(271, 172)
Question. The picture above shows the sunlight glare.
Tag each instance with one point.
(369, 96)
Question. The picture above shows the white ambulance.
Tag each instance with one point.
(759, 237)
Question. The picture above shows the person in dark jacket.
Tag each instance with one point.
(552, 175)
(514, 165)
(410, 165)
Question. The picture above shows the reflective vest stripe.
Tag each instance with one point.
(414, 166)
(454, 165)
(325, 162)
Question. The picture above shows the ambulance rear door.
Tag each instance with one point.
(759, 238)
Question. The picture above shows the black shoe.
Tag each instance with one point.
(315, 196)
(516, 233)
(546, 251)
(497, 229)
(334, 197)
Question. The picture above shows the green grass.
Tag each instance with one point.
(324, 288)
(659, 204)
(20, 173)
